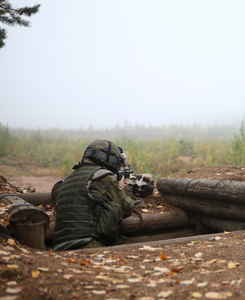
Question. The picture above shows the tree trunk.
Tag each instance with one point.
(207, 189)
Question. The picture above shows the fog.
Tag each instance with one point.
(102, 63)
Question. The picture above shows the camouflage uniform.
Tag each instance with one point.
(105, 188)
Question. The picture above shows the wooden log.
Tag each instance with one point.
(224, 209)
(220, 224)
(155, 222)
(208, 189)
(31, 234)
(34, 198)
(152, 224)
(23, 211)
(202, 229)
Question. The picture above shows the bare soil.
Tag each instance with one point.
(213, 268)
(43, 184)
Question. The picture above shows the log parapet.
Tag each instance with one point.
(223, 190)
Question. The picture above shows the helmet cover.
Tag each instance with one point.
(104, 153)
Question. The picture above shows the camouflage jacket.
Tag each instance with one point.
(102, 189)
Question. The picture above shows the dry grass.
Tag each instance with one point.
(9, 171)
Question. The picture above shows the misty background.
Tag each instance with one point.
(110, 64)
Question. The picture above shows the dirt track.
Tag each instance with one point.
(42, 184)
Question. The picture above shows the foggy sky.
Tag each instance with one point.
(102, 63)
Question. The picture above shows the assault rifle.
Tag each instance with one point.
(126, 171)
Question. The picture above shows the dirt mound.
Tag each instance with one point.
(225, 172)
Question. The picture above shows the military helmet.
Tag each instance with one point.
(104, 153)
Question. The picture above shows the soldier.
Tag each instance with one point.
(91, 202)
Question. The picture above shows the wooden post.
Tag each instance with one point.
(31, 234)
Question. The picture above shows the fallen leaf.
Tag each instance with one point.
(8, 298)
(76, 271)
(202, 284)
(12, 243)
(218, 295)
(99, 292)
(123, 286)
(210, 262)
(175, 269)
(35, 273)
(72, 260)
(6, 221)
(148, 248)
(136, 275)
(187, 282)
(226, 232)
(162, 256)
(115, 281)
(43, 269)
(232, 265)
(24, 250)
(165, 294)
(12, 266)
(198, 255)
(10, 283)
(85, 262)
(67, 276)
(4, 252)
(217, 238)
(196, 295)
(237, 281)
(134, 280)
(102, 277)
(13, 290)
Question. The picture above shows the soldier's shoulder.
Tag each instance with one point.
(101, 173)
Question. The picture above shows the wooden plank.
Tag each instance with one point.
(161, 243)
(161, 236)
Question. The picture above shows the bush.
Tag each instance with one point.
(5, 138)
(238, 147)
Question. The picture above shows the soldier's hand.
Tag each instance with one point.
(122, 183)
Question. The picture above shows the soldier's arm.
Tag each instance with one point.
(107, 188)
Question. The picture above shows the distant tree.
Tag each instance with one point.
(13, 16)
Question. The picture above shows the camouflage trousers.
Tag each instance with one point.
(79, 244)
